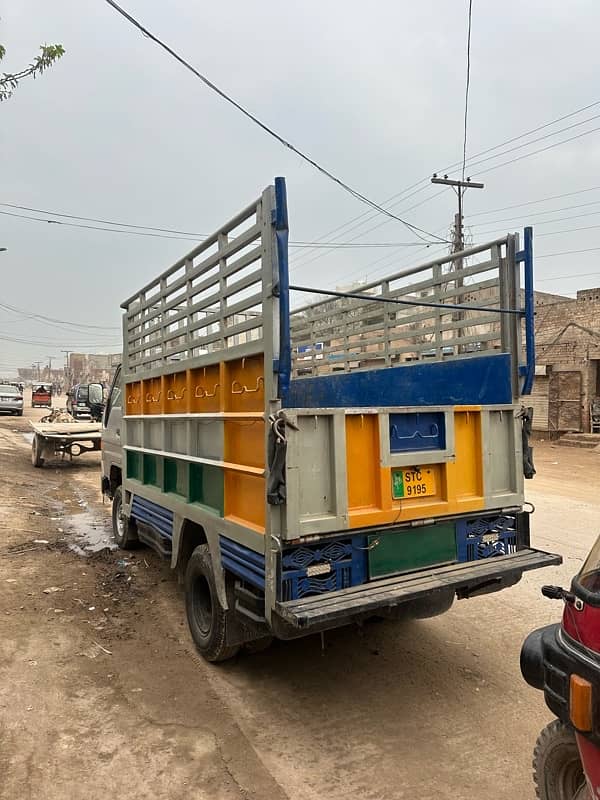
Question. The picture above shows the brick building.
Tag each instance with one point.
(567, 361)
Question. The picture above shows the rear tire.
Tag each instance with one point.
(123, 527)
(206, 616)
(557, 769)
(36, 451)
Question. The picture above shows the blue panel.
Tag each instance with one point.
(424, 430)
(243, 562)
(284, 365)
(475, 380)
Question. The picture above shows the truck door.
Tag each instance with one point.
(112, 455)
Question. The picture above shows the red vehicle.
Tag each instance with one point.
(563, 660)
(41, 395)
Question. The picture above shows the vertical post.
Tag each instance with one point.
(281, 238)
(529, 310)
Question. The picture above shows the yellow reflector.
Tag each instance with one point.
(581, 703)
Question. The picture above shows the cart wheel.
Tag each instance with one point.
(36, 451)
(557, 769)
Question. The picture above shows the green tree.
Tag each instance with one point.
(9, 81)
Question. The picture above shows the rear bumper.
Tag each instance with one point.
(465, 579)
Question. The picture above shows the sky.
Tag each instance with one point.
(374, 92)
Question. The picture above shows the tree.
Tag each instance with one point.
(9, 81)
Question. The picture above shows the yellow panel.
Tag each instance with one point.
(152, 396)
(362, 462)
(244, 386)
(204, 387)
(133, 398)
(465, 475)
(245, 499)
(459, 484)
(176, 393)
(245, 442)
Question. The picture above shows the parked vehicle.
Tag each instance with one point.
(86, 401)
(60, 435)
(41, 395)
(563, 661)
(307, 469)
(11, 399)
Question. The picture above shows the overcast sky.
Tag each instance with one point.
(373, 91)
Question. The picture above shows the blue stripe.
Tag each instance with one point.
(473, 380)
(529, 311)
(152, 514)
(243, 562)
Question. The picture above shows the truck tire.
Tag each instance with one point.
(206, 616)
(123, 527)
(557, 769)
(36, 451)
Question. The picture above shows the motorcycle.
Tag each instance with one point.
(563, 661)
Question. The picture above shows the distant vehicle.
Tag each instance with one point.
(41, 395)
(11, 400)
(86, 401)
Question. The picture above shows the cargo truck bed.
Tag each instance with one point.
(325, 608)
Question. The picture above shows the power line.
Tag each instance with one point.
(423, 183)
(44, 318)
(104, 221)
(536, 152)
(467, 89)
(568, 252)
(51, 344)
(536, 214)
(353, 192)
(533, 202)
(94, 227)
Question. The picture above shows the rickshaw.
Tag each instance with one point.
(563, 661)
(41, 395)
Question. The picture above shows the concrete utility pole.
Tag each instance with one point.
(38, 364)
(458, 233)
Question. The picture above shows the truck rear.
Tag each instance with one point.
(302, 469)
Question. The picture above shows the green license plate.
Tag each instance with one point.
(414, 482)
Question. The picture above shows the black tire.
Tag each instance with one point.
(19, 413)
(36, 452)
(207, 619)
(557, 769)
(123, 528)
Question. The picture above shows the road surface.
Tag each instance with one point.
(101, 694)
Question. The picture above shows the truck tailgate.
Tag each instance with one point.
(325, 608)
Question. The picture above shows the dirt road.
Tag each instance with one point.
(101, 693)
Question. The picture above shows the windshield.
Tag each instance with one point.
(82, 394)
(589, 577)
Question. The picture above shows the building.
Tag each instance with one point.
(567, 379)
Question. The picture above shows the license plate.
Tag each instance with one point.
(415, 482)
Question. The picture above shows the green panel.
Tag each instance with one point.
(170, 475)
(134, 465)
(411, 549)
(150, 469)
(206, 487)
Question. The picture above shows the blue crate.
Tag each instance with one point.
(343, 559)
(486, 537)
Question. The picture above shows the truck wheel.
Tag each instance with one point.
(557, 769)
(36, 451)
(123, 527)
(206, 616)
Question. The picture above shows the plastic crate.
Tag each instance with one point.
(486, 537)
(325, 567)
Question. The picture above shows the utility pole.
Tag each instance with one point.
(458, 233)
(38, 364)
(67, 369)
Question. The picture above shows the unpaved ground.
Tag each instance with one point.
(101, 694)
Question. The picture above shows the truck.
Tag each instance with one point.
(306, 467)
